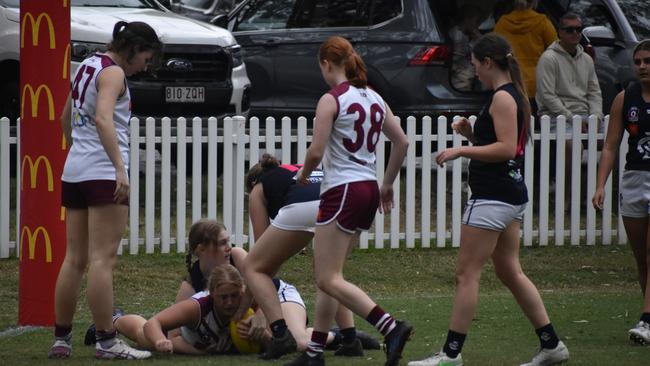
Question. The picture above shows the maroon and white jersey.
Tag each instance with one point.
(209, 334)
(87, 159)
(350, 152)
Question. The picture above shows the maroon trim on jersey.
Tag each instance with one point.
(106, 61)
(205, 307)
(337, 91)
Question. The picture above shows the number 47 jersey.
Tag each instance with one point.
(87, 159)
(350, 152)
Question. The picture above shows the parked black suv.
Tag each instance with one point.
(405, 45)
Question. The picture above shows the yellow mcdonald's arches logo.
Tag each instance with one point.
(31, 240)
(36, 25)
(66, 61)
(34, 97)
(33, 171)
(65, 3)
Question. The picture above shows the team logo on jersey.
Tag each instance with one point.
(643, 147)
(633, 114)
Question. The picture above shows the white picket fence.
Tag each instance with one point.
(417, 222)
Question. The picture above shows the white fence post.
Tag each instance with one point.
(165, 185)
(197, 174)
(181, 180)
(213, 159)
(134, 197)
(544, 181)
(592, 160)
(607, 204)
(150, 184)
(4, 187)
(441, 188)
(529, 155)
(410, 183)
(560, 181)
(240, 161)
(427, 167)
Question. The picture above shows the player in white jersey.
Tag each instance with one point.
(349, 120)
(95, 184)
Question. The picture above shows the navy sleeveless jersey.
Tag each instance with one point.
(636, 120)
(500, 181)
(280, 188)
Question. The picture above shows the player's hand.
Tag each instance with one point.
(301, 178)
(386, 203)
(243, 328)
(122, 187)
(598, 198)
(164, 345)
(463, 127)
(446, 155)
(257, 327)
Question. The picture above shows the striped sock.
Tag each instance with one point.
(316, 344)
(381, 320)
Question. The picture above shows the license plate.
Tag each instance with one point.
(185, 94)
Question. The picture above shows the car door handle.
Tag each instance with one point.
(267, 42)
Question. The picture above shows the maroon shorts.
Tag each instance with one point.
(88, 193)
(352, 205)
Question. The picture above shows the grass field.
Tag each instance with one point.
(591, 294)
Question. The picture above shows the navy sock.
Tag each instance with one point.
(547, 337)
(349, 335)
(106, 338)
(62, 332)
(454, 343)
(645, 317)
(279, 328)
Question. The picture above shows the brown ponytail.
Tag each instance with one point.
(339, 51)
(266, 163)
(497, 48)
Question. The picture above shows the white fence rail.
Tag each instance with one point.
(429, 198)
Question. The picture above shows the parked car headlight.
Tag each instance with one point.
(237, 55)
(81, 50)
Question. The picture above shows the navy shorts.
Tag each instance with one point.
(352, 205)
(88, 193)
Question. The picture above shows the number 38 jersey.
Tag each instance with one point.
(350, 152)
(87, 159)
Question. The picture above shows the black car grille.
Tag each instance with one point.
(192, 63)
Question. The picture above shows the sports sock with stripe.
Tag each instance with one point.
(381, 320)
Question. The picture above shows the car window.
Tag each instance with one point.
(593, 12)
(264, 14)
(11, 3)
(115, 3)
(198, 4)
(261, 15)
(637, 13)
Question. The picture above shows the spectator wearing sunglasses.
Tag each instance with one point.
(567, 83)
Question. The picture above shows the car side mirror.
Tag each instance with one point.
(599, 35)
(220, 20)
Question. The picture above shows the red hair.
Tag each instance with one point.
(339, 51)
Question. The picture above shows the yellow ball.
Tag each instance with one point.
(243, 346)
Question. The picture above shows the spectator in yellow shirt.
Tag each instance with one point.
(529, 33)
